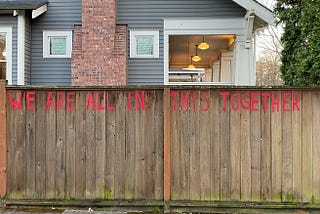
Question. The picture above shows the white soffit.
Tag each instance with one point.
(261, 11)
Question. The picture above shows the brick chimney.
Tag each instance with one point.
(99, 46)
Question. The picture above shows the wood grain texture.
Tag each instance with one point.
(3, 140)
(118, 151)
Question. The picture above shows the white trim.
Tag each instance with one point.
(46, 42)
(133, 43)
(261, 11)
(39, 11)
(203, 26)
(8, 31)
(21, 49)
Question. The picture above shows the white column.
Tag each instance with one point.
(244, 63)
(21, 47)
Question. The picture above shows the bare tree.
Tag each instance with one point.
(269, 49)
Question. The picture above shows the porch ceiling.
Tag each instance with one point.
(182, 47)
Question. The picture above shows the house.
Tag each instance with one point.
(130, 42)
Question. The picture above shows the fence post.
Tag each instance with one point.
(166, 179)
(3, 139)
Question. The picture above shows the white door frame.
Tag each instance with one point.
(236, 26)
(8, 31)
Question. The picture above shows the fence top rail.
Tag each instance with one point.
(158, 87)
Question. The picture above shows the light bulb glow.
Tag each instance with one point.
(191, 67)
(4, 53)
(196, 58)
(203, 46)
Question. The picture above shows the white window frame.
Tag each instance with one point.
(235, 26)
(46, 43)
(133, 43)
(8, 31)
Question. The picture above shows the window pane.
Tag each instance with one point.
(3, 52)
(58, 45)
(145, 45)
(3, 69)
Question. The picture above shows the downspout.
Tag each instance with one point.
(21, 47)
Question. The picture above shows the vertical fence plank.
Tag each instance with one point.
(215, 145)
(91, 144)
(3, 139)
(194, 141)
(287, 185)
(41, 122)
(297, 150)
(276, 146)
(266, 148)
(159, 141)
(235, 147)
(255, 138)
(184, 131)
(30, 153)
(245, 155)
(110, 147)
(166, 145)
(225, 151)
(71, 146)
(80, 146)
(149, 146)
(175, 145)
(60, 172)
(140, 155)
(120, 133)
(205, 147)
(130, 152)
(50, 139)
(100, 138)
(307, 146)
(316, 146)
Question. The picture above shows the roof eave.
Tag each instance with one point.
(261, 11)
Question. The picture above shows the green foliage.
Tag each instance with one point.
(301, 40)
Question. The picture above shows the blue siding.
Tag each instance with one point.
(10, 21)
(61, 15)
(149, 14)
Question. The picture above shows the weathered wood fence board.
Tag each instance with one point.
(85, 144)
(261, 142)
(179, 144)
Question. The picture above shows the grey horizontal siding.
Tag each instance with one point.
(10, 21)
(27, 53)
(149, 14)
(61, 15)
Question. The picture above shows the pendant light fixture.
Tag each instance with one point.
(191, 66)
(196, 58)
(203, 45)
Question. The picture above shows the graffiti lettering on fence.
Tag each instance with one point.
(98, 101)
(181, 100)
(251, 101)
(286, 102)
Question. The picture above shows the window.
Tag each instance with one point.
(144, 44)
(57, 44)
(5, 54)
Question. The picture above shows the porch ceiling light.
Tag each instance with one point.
(191, 66)
(4, 53)
(203, 45)
(196, 58)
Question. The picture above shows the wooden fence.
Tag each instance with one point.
(164, 144)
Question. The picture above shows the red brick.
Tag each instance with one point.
(99, 46)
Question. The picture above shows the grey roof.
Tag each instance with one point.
(21, 4)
